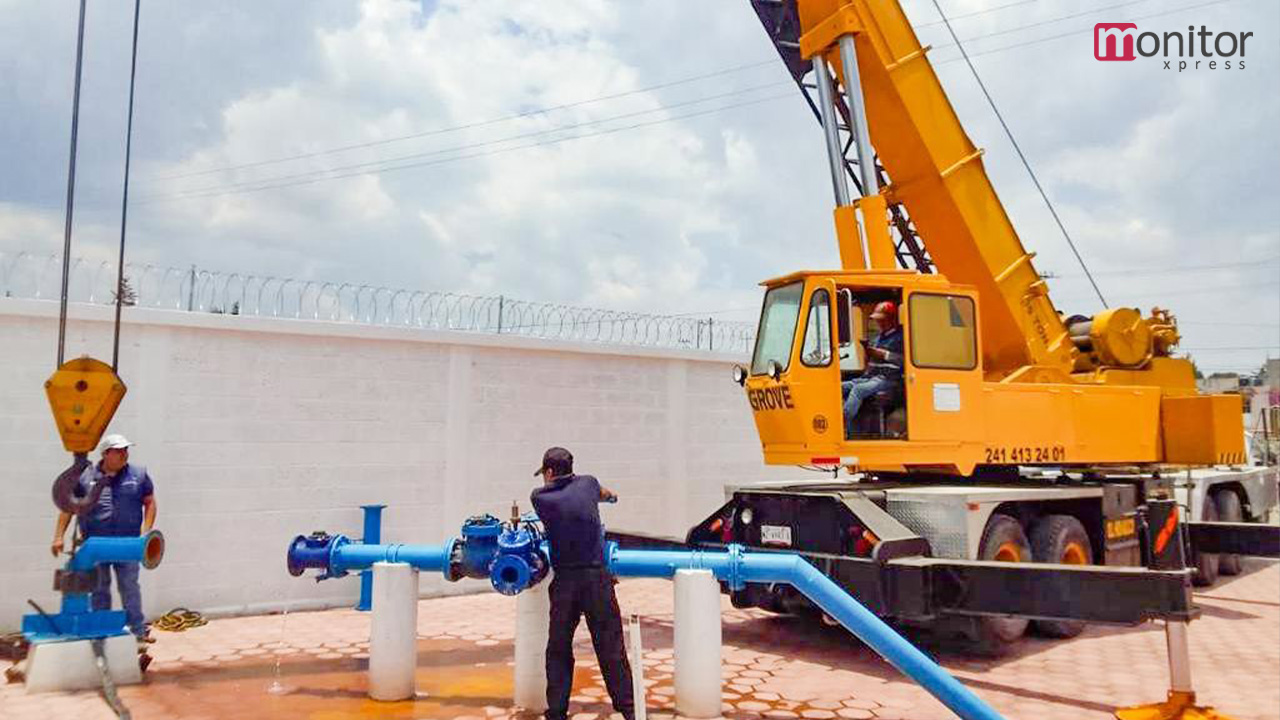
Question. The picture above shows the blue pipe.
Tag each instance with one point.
(97, 550)
(523, 565)
(736, 567)
(351, 556)
(373, 535)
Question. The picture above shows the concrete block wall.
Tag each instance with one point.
(258, 429)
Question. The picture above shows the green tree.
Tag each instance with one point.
(127, 293)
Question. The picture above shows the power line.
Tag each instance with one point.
(245, 186)
(1048, 21)
(468, 126)
(499, 151)
(1023, 157)
(1073, 33)
(977, 12)
(373, 165)
(1180, 292)
(1256, 264)
(1231, 349)
(539, 111)
(1275, 323)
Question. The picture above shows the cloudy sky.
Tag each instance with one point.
(642, 155)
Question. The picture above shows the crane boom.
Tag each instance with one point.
(939, 176)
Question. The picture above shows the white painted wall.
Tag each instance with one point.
(256, 430)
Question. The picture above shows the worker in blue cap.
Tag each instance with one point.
(568, 506)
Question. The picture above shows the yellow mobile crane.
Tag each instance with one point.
(1016, 443)
(993, 374)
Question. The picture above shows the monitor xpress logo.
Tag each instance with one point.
(1192, 50)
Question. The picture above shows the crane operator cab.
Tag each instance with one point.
(855, 367)
(871, 373)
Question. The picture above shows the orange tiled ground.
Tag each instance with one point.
(775, 667)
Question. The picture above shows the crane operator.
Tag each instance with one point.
(568, 506)
(883, 373)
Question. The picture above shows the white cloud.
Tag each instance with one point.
(1148, 169)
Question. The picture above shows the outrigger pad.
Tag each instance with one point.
(1179, 706)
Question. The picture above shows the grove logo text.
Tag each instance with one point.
(1121, 42)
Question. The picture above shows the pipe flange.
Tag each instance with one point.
(333, 571)
(734, 578)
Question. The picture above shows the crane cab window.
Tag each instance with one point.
(777, 331)
(943, 332)
(816, 351)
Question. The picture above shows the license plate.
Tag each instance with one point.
(775, 535)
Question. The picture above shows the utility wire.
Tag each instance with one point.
(978, 12)
(547, 110)
(1041, 23)
(471, 125)
(1229, 348)
(1272, 324)
(213, 191)
(217, 192)
(457, 148)
(1025, 164)
(1254, 264)
(1073, 33)
(1193, 291)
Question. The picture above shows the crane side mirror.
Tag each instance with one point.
(775, 370)
(739, 374)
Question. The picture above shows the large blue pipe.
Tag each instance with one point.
(737, 567)
(97, 550)
(359, 557)
(337, 555)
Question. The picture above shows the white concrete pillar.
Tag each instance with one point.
(393, 632)
(697, 639)
(533, 622)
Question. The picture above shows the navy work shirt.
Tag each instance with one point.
(890, 340)
(119, 509)
(569, 509)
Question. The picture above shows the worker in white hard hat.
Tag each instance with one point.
(126, 507)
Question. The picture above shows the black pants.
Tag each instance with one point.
(586, 591)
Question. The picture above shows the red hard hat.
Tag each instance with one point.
(885, 309)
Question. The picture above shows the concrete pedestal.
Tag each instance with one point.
(70, 665)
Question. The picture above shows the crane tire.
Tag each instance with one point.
(1205, 564)
(1002, 540)
(1060, 539)
(1229, 510)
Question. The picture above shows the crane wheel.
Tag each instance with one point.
(1004, 541)
(1060, 539)
(1229, 510)
(1205, 564)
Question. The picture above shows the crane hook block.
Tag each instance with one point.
(83, 394)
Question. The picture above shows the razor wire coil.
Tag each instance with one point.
(34, 276)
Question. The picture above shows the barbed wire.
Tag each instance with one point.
(36, 276)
